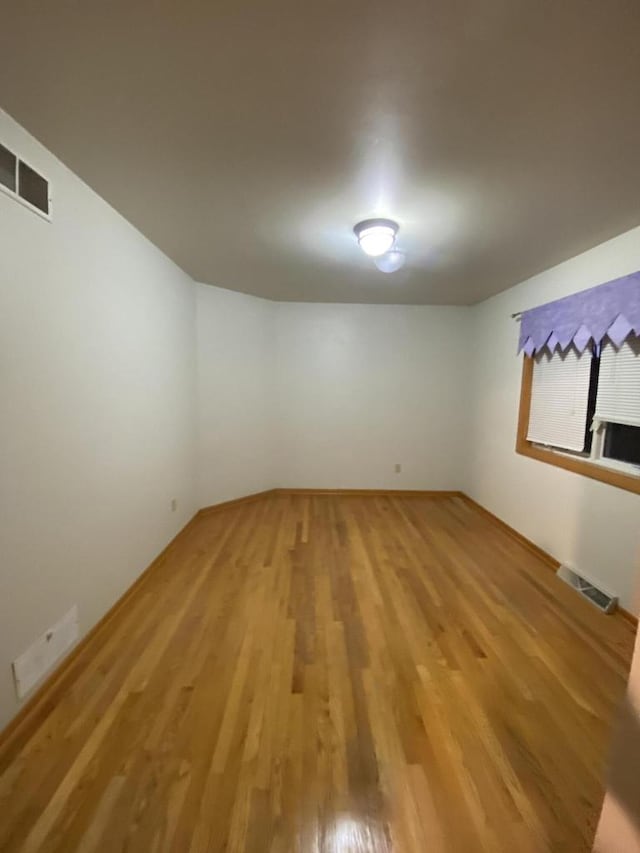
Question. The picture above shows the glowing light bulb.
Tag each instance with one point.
(376, 236)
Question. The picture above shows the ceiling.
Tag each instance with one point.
(246, 138)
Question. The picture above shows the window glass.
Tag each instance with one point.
(622, 442)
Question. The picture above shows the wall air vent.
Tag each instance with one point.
(23, 183)
(8, 169)
(604, 601)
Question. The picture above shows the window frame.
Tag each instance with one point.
(576, 464)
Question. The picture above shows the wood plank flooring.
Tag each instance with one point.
(329, 674)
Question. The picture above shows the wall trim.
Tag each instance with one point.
(548, 559)
(628, 615)
(285, 492)
(372, 493)
(20, 728)
(29, 716)
(245, 499)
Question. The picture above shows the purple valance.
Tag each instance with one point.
(611, 309)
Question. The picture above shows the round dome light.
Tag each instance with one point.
(391, 261)
(376, 236)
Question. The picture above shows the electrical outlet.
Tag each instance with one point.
(174, 504)
(45, 652)
(398, 467)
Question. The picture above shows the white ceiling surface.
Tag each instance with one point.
(246, 139)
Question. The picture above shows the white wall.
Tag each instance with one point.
(591, 525)
(361, 387)
(235, 394)
(97, 382)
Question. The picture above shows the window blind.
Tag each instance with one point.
(560, 399)
(618, 398)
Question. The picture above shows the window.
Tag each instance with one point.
(617, 411)
(23, 183)
(582, 412)
(622, 442)
(560, 400)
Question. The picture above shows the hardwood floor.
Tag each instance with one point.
(331, 674)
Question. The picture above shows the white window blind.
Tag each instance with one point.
(560, 398)
(619, 384)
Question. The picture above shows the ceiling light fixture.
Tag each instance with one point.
(391, 261)
(376, 236)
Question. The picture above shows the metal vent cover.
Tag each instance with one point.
(23, 183)
(600, 598)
